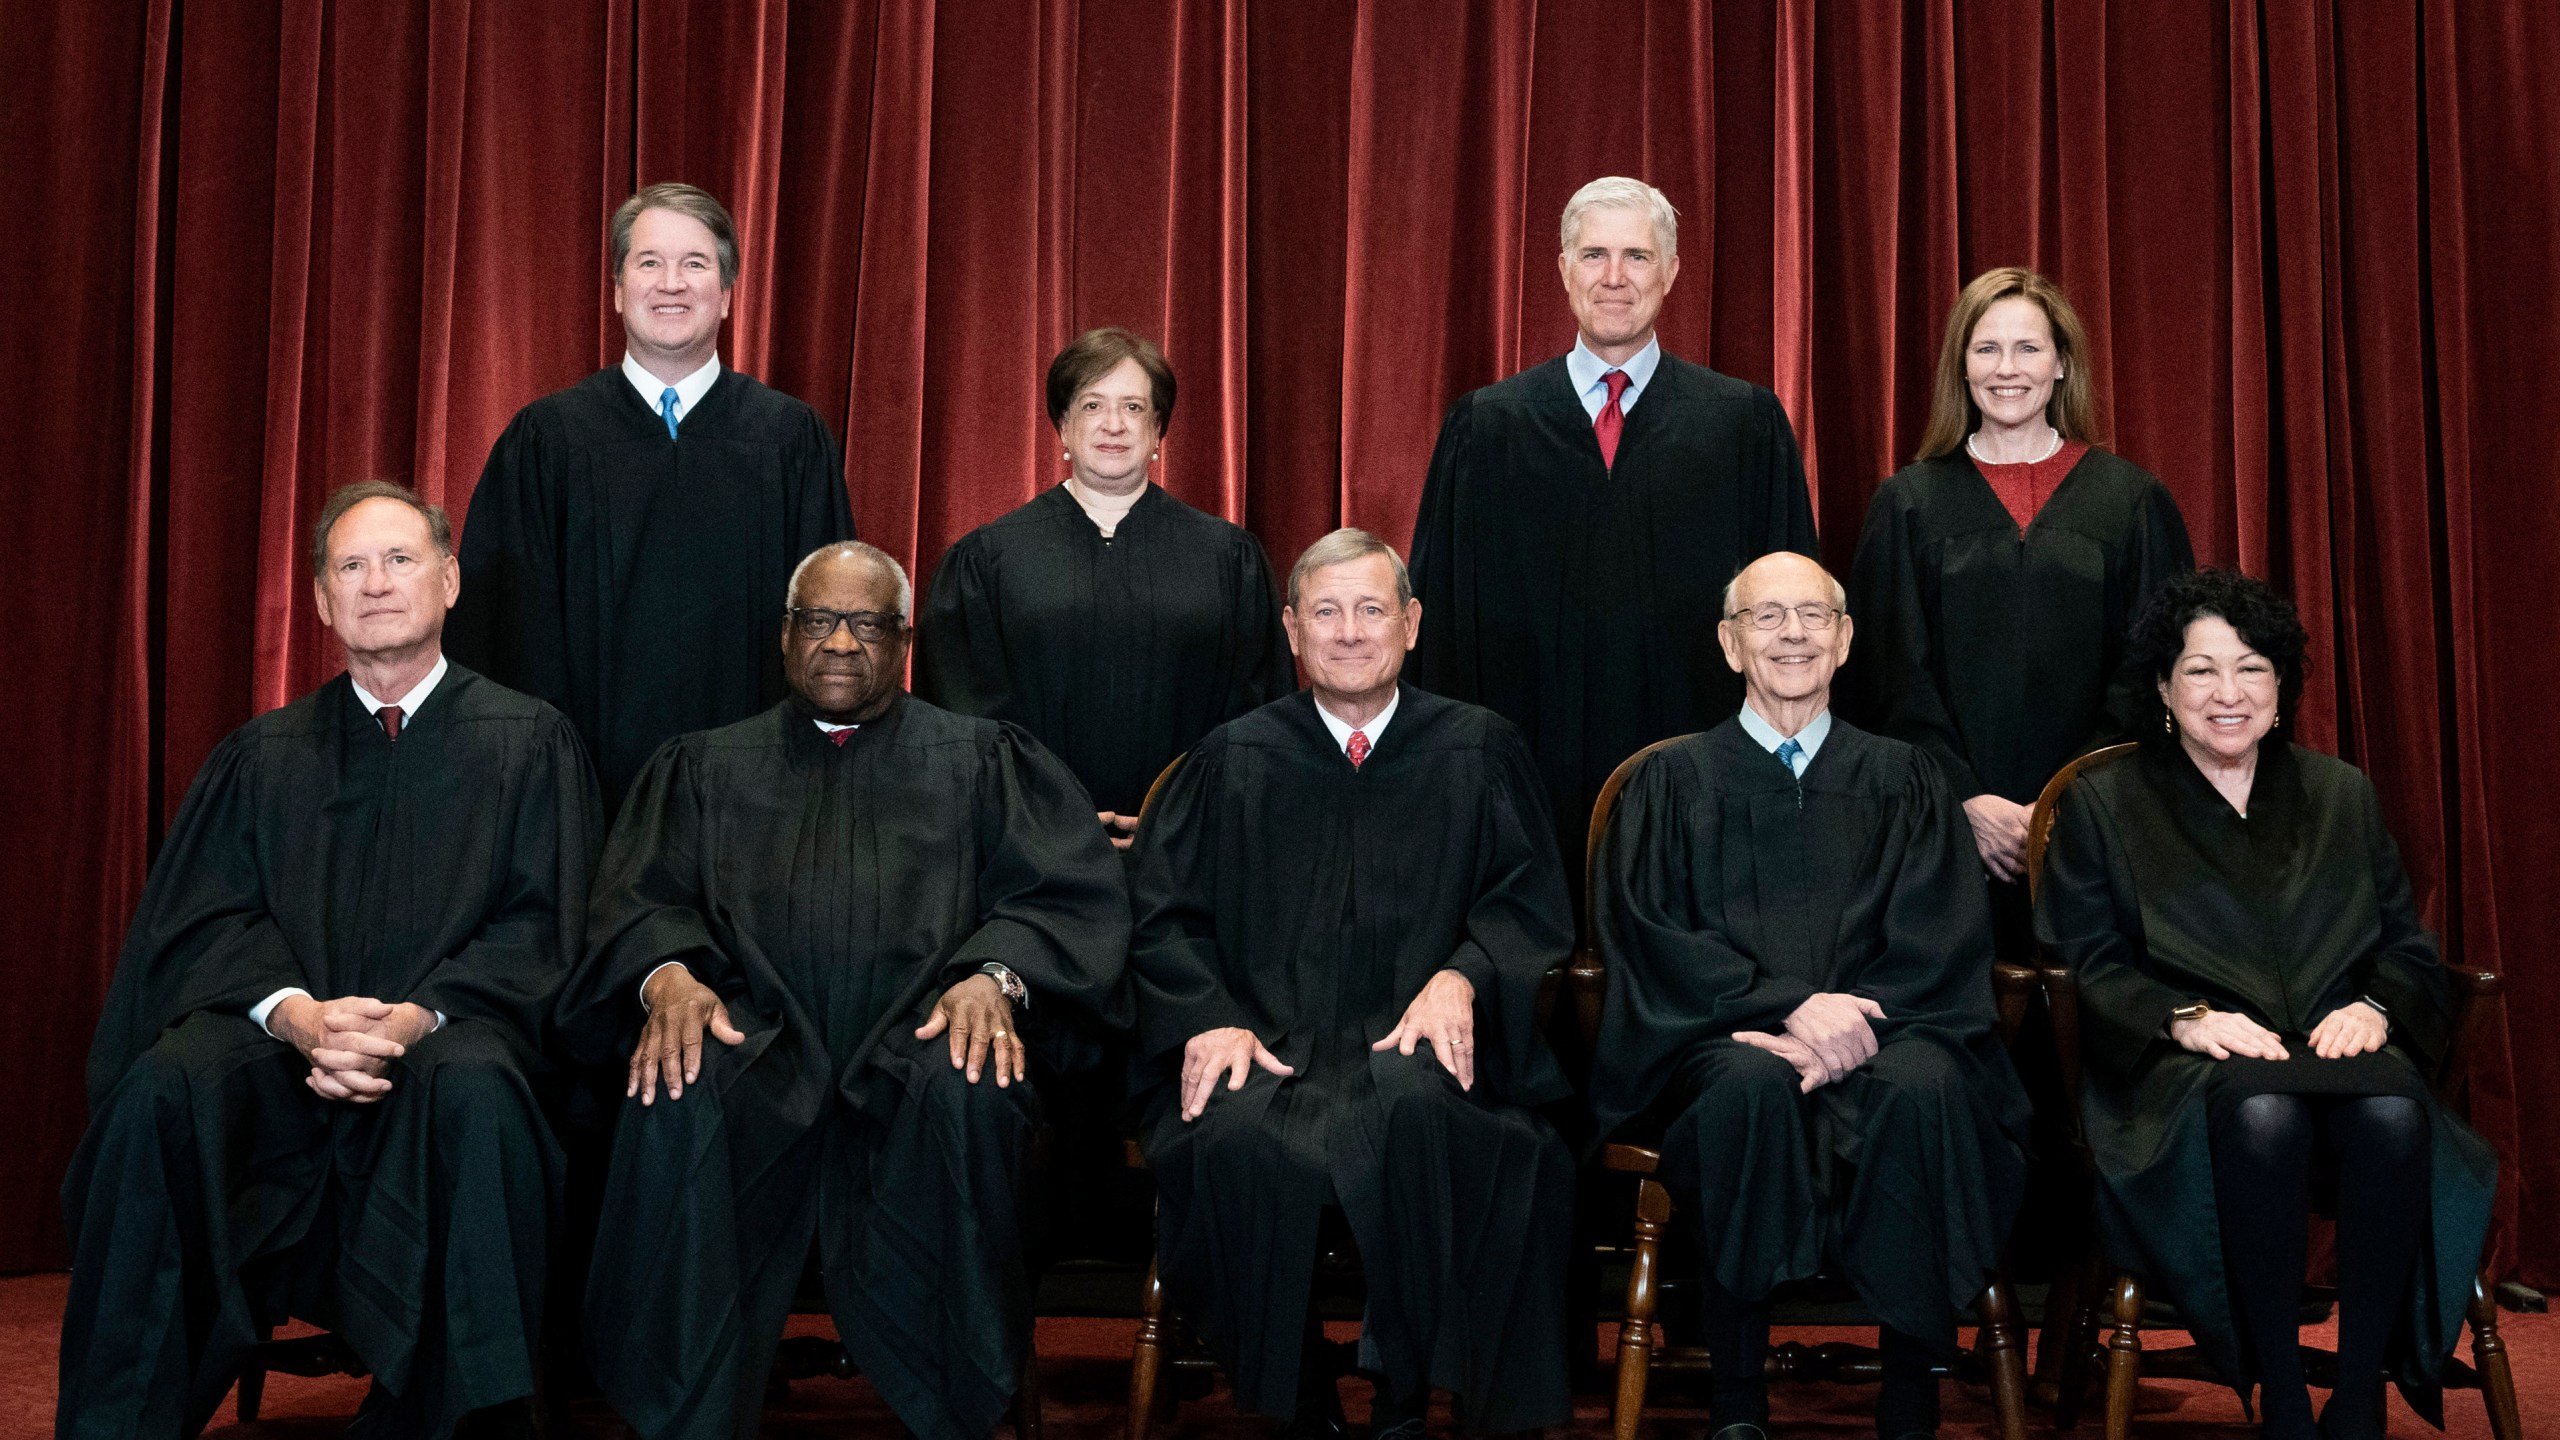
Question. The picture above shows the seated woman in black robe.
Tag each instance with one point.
(2258, 993)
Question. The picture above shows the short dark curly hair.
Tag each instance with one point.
(2266, 620)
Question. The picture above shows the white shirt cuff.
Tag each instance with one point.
(652, 975)
(259, 1012)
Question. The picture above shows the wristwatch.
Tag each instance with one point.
(1006, 981)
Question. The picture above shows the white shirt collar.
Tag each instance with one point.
(1588, 370)
(1815, 731)
(689, 390)
(1376, 727)
(410, 703)
(830, 726)
(1105, 511)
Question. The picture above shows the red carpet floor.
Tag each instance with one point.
(1085, 1370)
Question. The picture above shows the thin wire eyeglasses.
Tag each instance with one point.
(1769, 615)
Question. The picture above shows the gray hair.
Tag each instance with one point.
(1341, 548)
(1618, 192)
(681, 199)
(1733, 587)
(853, 550)
(348, 497)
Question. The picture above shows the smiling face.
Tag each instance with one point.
(2011, 364)
(1110, 429)
(1616, 276)
(2221, 693)
(844, 679)
(1351, 633)
(384, 589)
(669, 292)
(1789, 665)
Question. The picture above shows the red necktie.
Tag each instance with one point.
(389, 715)
(840, 736)
(1358, 748)
(1611, 419)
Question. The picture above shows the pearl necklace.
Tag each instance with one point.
(1973, 447)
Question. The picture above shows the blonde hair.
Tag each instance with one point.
(1952, 413)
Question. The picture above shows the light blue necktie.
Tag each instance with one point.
(667, 407)
(1788, 753)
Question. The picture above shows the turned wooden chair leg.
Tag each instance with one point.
(2003, 1346)
(2489, 1357)
(1026, 1393)
(1146, 1358)
(1636, 1332)
(2079, 1339)
(2124, 1358)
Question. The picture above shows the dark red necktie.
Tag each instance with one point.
(389, 715)
(1611, 419)
(840, 736)
(1358, 748)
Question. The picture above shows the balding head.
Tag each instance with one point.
(1786, 629)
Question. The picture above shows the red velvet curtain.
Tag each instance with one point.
(269, 248)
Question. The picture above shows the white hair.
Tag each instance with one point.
(1618, 192)
(1341, 548)
(850, 550)
(1733, 587)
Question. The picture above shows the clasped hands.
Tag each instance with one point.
(974, 1013)
(1443, 1015)
(2354, 1028)
(350, 1041)
(1825, 1038)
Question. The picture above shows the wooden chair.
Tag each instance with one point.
(2125, 1358)
(1999, 1355)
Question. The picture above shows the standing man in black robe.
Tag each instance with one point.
(1346, 902)
(627, 534)
(870, 905)
(308, 1093)
(1581, 517)
(1799, 1008)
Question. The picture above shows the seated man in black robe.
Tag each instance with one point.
(1799, 954)
(308, 1093)
(1346, 901)
(865, 901)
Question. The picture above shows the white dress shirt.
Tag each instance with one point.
(689, 390)
(1376, 727)
(1590, 376)
(1815, 731)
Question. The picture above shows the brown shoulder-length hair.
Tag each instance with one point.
(1952, 413)
(1096, 353)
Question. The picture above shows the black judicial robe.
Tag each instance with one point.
(637, 582)
(2156, 893)
(1580, 602)
(830, 894)
(2001, 651)
(1116, 654)
(1283, 891)
(1730, 893)
(213, 1189)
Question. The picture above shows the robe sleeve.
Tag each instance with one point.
(509, 623)
(2157, 551)
(1895, 620)
(2405, 971)
(1174, 964)
(1674, 977)
(1050, 887)
(1519, 928)
(822, 511)
(960, 659)
(1444, 655)
(647, 908)
(2088, 918)
(510, 972)
(1788, 505)
(1934, 968)
(1261, 666)
(203, 937)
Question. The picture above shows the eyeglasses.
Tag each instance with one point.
(869, 626)
(1770, 615)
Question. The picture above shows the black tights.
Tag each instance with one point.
(2261, 1183)
(1736, 1332)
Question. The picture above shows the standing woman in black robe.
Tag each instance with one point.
(1998, 570)
(1115, 623)
(2257, 992)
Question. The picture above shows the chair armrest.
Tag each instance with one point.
(2012, 986)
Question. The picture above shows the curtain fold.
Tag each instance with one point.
(293, 244)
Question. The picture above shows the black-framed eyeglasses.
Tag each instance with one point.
(869, 626)
(1769, 615)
